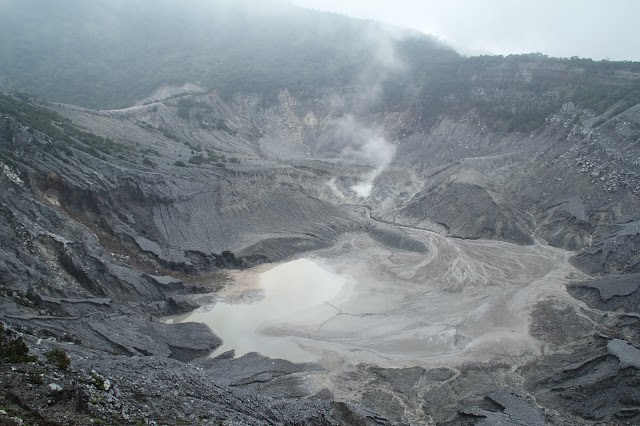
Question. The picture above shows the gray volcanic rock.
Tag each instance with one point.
(558, 324)
(396, 239)
(567, 225)
(467, 211)
(626, 353)
(617, 252)
(512, 411)
(111, 219)
(445, 402)
(610, 293)
(154, 389)
(588, 382)
(402, 380)
(165, 281)
(266, 376)
(181, 304)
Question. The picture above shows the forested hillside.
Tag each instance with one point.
(109, 53)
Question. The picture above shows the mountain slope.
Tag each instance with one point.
(66, 51)
(473, 188)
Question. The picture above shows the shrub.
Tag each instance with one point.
(58, 357)
(180, 164)
(35, 376)
(12, 348)
(98, 381)
(148, 162)
(197, 159)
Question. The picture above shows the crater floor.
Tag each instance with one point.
(362, 302)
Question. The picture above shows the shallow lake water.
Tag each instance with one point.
(362, 302)
(290, 293)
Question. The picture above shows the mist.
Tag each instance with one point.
(368, 145)
(586, 28)
(248, 212)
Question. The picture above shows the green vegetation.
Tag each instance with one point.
(185, 105)
(59, 358)
(217, 124)
(28, 299)
(211, 157)
(7, 130)
(35, 376)
(200, 111)
(12, 348)
(62, 136)
(149, 163)
(70, 338)
(197, 159)
(98, 381)
(214, 156)
(517, 92)
(66, 51)
(168, 134)
(600, 97)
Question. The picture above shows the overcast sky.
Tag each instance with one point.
(598, 29)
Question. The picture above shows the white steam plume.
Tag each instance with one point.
(368, 143)
(379, 43)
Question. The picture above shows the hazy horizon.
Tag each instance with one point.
(590, 28)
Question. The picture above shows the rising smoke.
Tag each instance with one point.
(369, 146)
(367, 143)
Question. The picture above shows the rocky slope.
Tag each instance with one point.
(112, 219)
